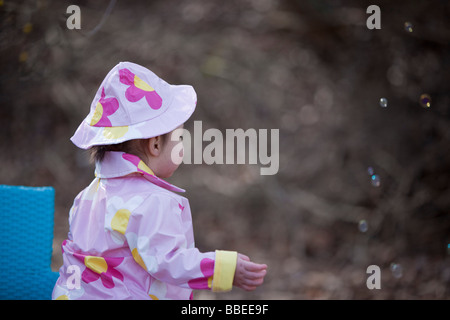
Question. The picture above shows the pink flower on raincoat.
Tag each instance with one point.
(207, 268)
(100, 267)
(138, 89)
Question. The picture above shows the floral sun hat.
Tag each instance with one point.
(134, 103)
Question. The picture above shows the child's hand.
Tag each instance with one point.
(248, 275)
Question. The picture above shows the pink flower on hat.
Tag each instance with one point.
(104, 108)
(138, 89)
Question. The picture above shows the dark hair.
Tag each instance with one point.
(136, 147)
(97, 153)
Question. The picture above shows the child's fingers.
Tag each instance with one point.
(254, 267)
(255, 275)
(254, 282)
(244, 257)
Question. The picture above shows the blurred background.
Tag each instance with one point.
(360, 182)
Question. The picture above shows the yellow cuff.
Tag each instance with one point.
(224, 268)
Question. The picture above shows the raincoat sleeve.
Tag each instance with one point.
(158, 236)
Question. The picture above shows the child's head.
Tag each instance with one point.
(156, 152)
(136, 112)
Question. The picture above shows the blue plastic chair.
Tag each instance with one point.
(26, 238)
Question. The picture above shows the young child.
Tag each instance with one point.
(130, 234)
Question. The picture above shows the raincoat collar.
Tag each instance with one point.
(119, 164)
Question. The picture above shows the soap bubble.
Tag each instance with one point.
(425, 100)
(408, 26)
(375, 180)
(397, 270)
(383, 102)
(363, 226)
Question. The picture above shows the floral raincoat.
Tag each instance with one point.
(131, 237)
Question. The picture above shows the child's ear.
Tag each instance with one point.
(154, 146)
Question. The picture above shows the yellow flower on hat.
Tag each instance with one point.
(112, 133)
